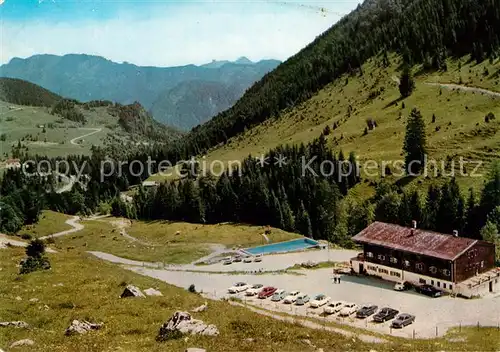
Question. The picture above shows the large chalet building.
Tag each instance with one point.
(450, 263)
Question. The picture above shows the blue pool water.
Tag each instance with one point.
(288, 246)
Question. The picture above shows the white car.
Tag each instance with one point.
(334, 307)
(319, 301)
(247, 259)
(292, 297)
(258, 258)
(238, 287)
(255, 289)
(348, 309)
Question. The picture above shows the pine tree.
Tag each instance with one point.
(415, 144)
(406, 82)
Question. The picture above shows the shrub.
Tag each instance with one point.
(489, 117)
(26, 236)
(36, 248)
(31, 264)
(192, 288)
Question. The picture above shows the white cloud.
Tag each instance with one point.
(190, 35)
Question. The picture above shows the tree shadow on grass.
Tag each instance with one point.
(393, 103)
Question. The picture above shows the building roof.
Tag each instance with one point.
(416, 241)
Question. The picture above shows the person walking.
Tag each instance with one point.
(338, 278)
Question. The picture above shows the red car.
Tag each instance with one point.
(267, 291)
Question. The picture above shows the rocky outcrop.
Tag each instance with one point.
(14, 324)
(182, 323)
(25, 342)
(201, 308)
(132, 291)
(152, 292)
(81, 327)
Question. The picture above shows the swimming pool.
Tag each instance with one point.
(280, 247)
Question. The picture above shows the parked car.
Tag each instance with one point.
(227, 261)
(333, 307)
(237, 259)
(247, 259)
(403, 286)
(429, 290)
(403, 320)
(348, 309)
(385, 314)
(255, 289)
(292, 297)
(302, 299)
(258, 258)
(238, 287)
(279, 295)
(319, 301)
(266, 292)
(366, 311)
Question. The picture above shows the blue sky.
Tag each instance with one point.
(162, 32)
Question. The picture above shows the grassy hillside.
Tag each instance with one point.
(21, 92)
(459, 129)
(46, 124)
(80, 286)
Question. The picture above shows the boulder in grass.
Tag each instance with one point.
(182, 323)
(25, 342)
(152, 292)
(14, 324)
(132, 291)
(81, 327)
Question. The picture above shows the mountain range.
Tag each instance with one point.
(182, 96)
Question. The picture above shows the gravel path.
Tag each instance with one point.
(466, 88)
(73, 222)
(94, 131)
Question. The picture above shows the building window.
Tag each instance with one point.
(407, 263)
(446, 272)
(451, 286)
(444, 285)
(432, 282)
(369, 254)
(433, 269)
(394, 260)
(422, 281)
(439, 285)
(381, 257)
(420, 266)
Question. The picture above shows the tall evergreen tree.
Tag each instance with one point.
(406, 82)
(415, 144)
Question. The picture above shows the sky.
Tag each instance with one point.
(164, 32)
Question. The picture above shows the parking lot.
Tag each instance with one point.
(433, 315)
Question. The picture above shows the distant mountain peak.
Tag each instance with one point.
(243, 61)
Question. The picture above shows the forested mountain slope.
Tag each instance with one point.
(87, 77)
(21, 92)
(422, 31)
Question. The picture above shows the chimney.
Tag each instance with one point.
(414, 224)
(455, 233)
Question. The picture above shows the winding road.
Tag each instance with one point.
(466, 88)
(94, 131)
(73, 222)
